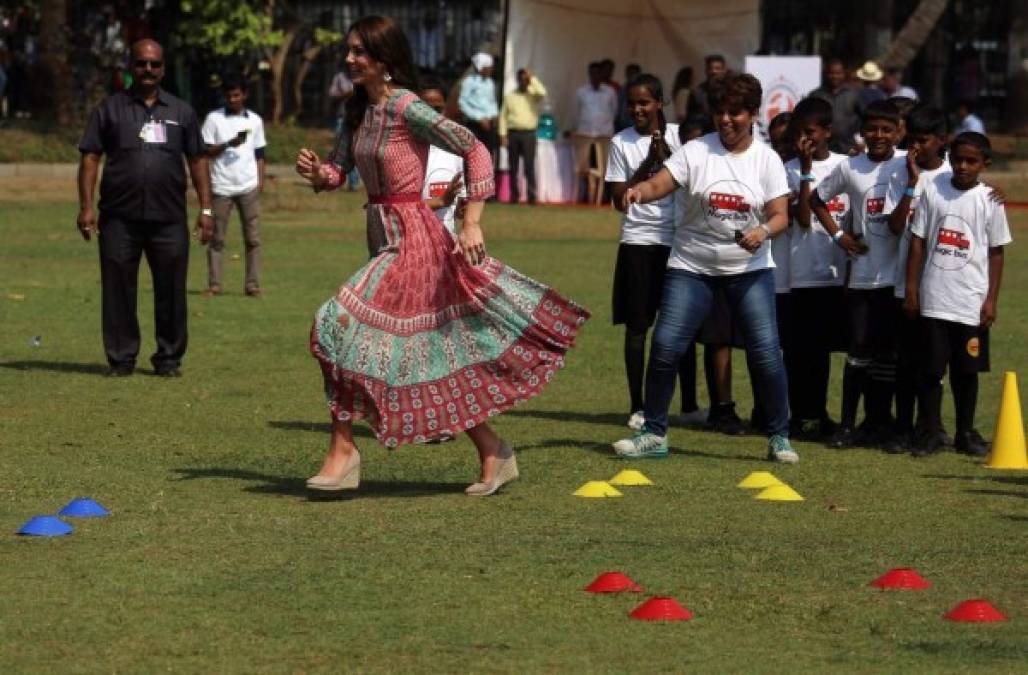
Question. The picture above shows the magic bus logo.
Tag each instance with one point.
(837, 205)
(954, 244)
(780, 96)
(875, 220)
(438, 189)
(730, 204)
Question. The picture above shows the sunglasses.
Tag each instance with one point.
(153, 65)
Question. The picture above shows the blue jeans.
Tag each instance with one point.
(685, 304)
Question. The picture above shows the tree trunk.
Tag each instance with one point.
(53, 38)
(309, 55)
(278, 71)
(908, 42)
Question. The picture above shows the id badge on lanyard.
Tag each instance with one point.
(154, 131)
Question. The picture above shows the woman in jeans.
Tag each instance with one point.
(736, 201)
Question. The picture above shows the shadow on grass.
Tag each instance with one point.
(999, 493)
(58, 367)
(1008, 480)
(359, 430)
(570, 416)
(605, 449)
(291, 486)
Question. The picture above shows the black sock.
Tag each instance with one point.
(853, 382)
(906, 397)
(965, 399)
(687, 380)
(930, 397)
(635, 358)
(880, 388)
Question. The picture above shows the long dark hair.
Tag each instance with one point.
(653, 85)
(385, 42)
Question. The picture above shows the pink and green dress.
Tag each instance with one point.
(419, 342)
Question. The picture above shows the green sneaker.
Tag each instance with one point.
(643, 445)
(779, 450)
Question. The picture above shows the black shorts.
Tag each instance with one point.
(638, 284)
(820, 319)
(719, 328)
(874, 321)
(965, 349)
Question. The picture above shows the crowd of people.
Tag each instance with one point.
(891, 252)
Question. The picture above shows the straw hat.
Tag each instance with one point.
(869, 72)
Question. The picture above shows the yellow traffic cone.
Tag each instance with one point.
(759, 480)
(1008, 447)
(597, 488)
(779, 493)
(630, 477)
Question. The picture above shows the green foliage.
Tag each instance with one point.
(227, 27)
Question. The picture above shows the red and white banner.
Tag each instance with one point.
(785, 81)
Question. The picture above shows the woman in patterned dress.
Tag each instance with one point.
(431, 337)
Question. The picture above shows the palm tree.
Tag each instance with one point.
(908, 42)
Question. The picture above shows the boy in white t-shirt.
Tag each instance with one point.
(647, 230)
(817, 272)
(233, 137)
(444, 191)
(873, 310)
(954, 271)
(926, 141)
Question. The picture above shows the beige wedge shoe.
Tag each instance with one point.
(505, 471)
(348, 480)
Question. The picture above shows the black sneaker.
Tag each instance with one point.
(971, 443)
(171, 371)
(120, 371)
(723, 420)
(925, 445)
(899, 444)
(844, 437)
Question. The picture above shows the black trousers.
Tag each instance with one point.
(166, 246)
(521, 144)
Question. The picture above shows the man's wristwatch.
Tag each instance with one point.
(207, 212)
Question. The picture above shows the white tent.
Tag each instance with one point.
(558, 38)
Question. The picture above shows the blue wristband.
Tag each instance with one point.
(808, 177)
(909, 192)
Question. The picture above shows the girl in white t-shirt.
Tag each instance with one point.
(737, 199)
(444, 190)
(635, 154)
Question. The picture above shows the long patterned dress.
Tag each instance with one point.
(419, 342)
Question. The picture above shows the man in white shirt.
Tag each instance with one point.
(596, 107)
(234, 140)
(967, 120)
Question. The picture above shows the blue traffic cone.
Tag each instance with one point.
(84, 507)
(45, 526)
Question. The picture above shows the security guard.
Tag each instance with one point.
(144, 132)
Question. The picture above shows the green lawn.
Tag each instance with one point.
(214, 560)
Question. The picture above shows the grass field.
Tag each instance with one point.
(214, 559)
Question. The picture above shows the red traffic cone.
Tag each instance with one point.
(613, 582)
(976, 610)
(902, 577)
(661, 609)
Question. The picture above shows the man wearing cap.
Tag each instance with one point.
(477, 100)
(870, 74)
(144, 132)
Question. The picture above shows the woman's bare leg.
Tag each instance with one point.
(487, 442)
(341, 450)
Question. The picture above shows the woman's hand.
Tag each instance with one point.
(308, 165)
(471, 243)
(753, 238)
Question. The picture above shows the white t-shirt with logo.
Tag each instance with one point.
(721, 194)
(652, 223)
(959, 227)
(897, 186)
(440, 169)
(866, 182)
(816, 261)
(234, 171)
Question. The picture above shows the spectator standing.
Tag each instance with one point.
(234, 139)
(339, 91)
(699, 102)
(623, 119)
(144, 132)
(845, 107)
(681, 92)
(967, 120)
(871, 75)
(519, 122)
(478, 100)
(892, 85)
(596, 106)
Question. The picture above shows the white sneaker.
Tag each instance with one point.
(643, 445)
(637, 420)
(696, 418)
